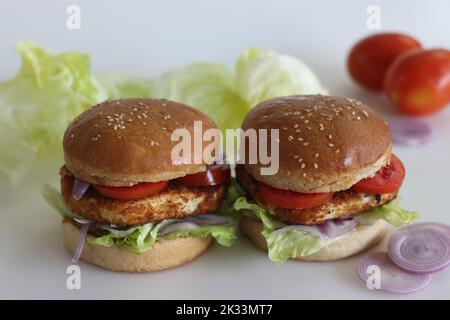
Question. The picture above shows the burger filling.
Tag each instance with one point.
(136, 217)
(300, 224)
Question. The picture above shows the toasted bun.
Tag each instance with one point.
(326, 143)
(359, 240)
(124, 142)
(161, 256)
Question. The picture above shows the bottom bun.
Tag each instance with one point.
(362, 238)
(162, 255)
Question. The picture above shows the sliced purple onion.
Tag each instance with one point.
(313, 230)
(82, 220)
(79, 188)
(178, 226)
(390, 278)
(338, 227)
(83, 231)
(411, 132)
(421, 248)
(209, 219)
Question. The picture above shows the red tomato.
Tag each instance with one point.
(290, 199)
(370, 58)
(138, 191)
(387, 180)
(418, 82)
(214, 175)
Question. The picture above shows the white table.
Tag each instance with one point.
(146, 39)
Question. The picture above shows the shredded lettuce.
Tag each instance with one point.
(264, 74)
(298, 243)
(141, 237)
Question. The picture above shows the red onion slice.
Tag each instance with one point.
(411, 132)
(79, 188)
(391, 278)
(178, 226)
(83, 231)
(338, 227)
(209, 219)
(421, 248)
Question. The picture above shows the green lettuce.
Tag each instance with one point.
(141, 237)
(38, 103)
(391, 212)
(207, 86)
(122, 87)
(297, 243)
(264, 74)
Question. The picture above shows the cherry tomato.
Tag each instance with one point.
(214, 175)
(387, 180)
(370, 58)
(418, 82)
(138, 191)
(290, 199)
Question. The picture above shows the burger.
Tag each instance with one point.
(336, 185)
(127, 204)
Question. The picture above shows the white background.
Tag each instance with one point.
(145, 38)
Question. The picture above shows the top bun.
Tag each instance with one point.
(326, 143)
(124, 142)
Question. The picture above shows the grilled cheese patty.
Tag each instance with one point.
(177, 201)
(342, 204)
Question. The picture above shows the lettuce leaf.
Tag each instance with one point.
(391, 212)
(39, 102)
(141, 237)
(264, 74)
(121, 87)
(207, 86)
(297, 243)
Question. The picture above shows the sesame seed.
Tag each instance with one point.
(366, 114)
(164, 104)
(309, 128)
(130, 120)
(284, 128)
(303, 166)
(300, 139)
(290, 138)
(316, 166)
(296, 125)
(265, 116)
(306, 121)
(331, 145)
(338, 150)
(330, 136)
(305, 143)
(117, 102)
(304, 175)
(316, 155)
(167, 117)
(144, 123)
(296, 157)
(95, 125)
(298, 130)
(72, 136)
(140, 103)
(353, 113)
(358, 118)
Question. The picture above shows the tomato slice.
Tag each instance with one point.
(291, 199)
(214, 175)
(387, 180)
(138, 191)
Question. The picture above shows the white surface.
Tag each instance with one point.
(144, 39)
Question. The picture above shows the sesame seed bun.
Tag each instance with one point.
(161, 256)
(361, 239)
(124, 142)
(326, 143)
